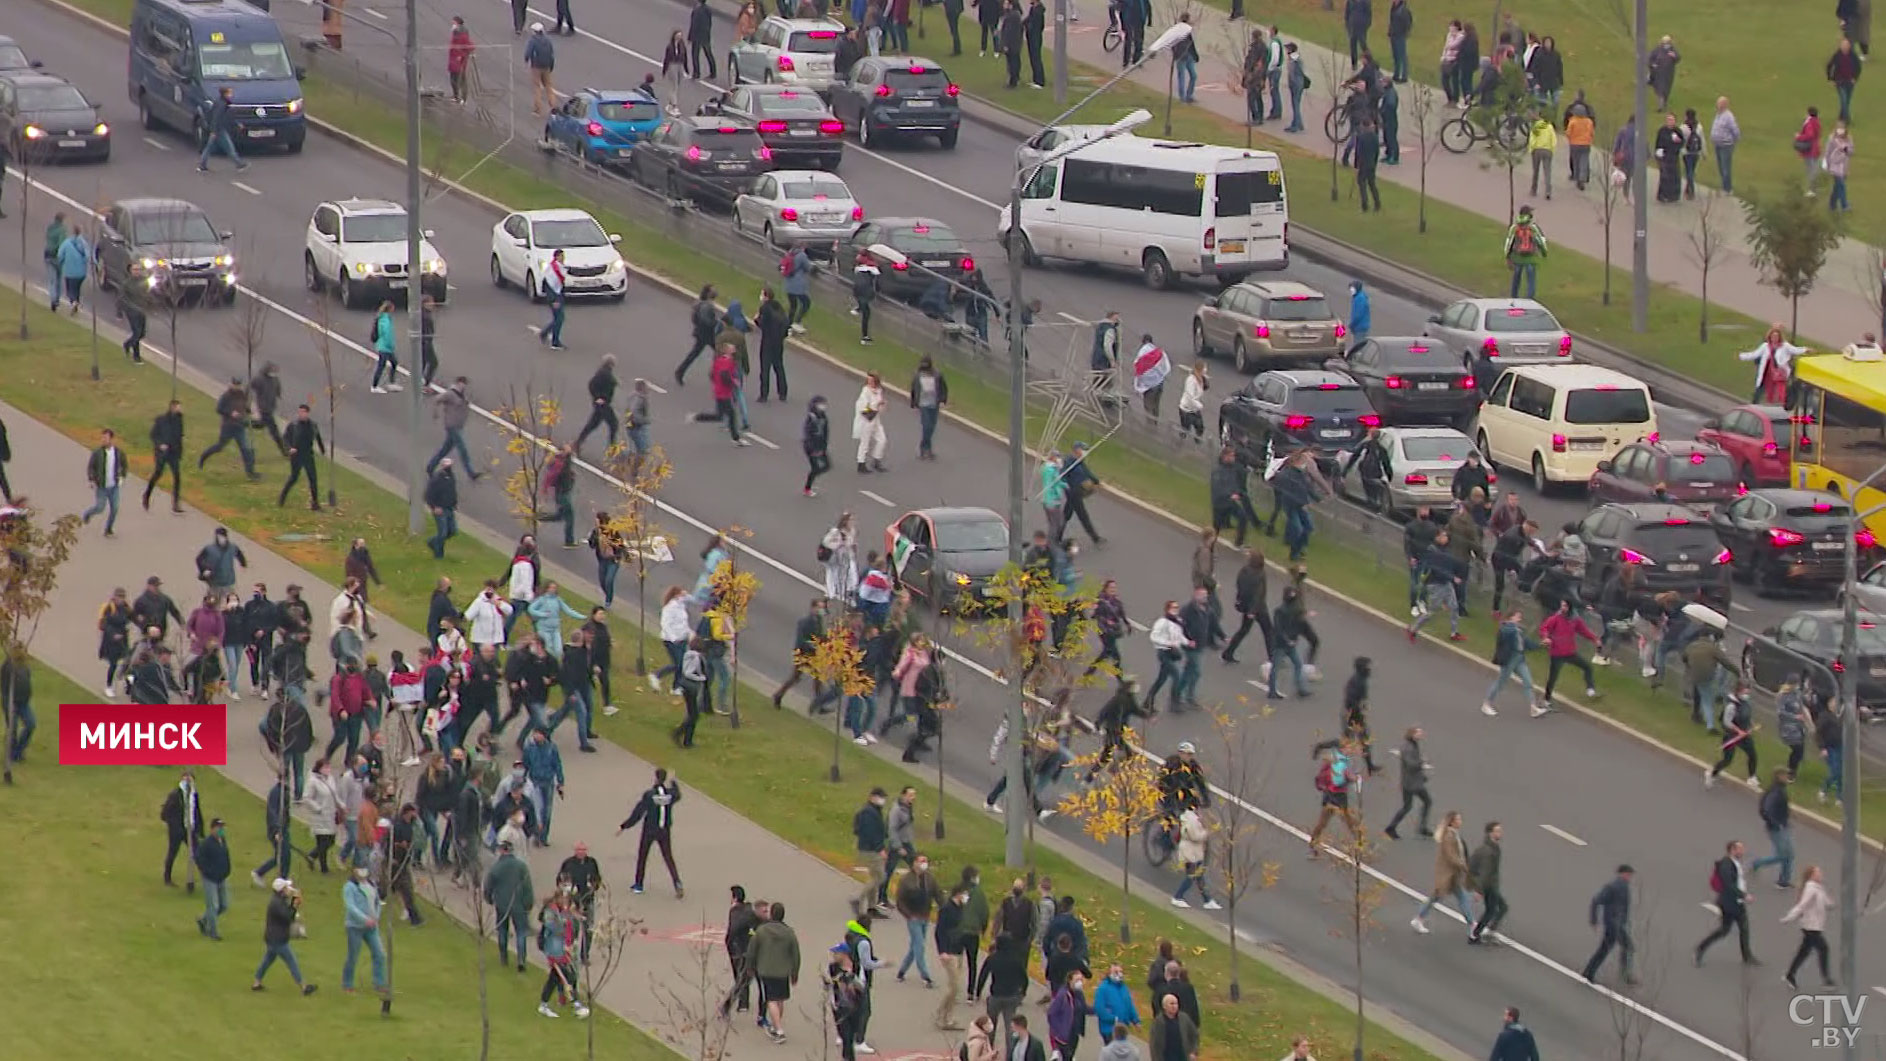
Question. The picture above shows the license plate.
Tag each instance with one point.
(1589, 446)
(1231, 246)
(1442, 480)
(1431, 386)
(936, 264)
(920, 103)
(71, 143)
(1877, 671)
(624, 152)
(195, 281)
(824, 219)
(261, 134)
(1684, 569)
(1829, 547)
(1529, 351)
(1702, 486)
(805, 132)
(396, 284)
(725, 166)
(1332, 432)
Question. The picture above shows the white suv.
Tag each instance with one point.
(359, 246)
(789, 51)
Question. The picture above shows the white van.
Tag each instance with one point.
(1558, 421)
(1165, 209)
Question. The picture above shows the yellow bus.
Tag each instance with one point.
(1838, 403)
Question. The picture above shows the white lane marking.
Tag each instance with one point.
(891, 162)
(656, 387)
(1714, 910)
(1737, 605)
(761, 440)
(879, 498)
(1137, 625)
(532, 328)
(375, 14)
(156, 143)
(1563, 835)
(817, 584)
(1879, 990)
(1070, 318)
(247, 188)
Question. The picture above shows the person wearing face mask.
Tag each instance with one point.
(917, 895)
(1067, 1017)
(949, 952)
(361, 901)
(1113, 1005)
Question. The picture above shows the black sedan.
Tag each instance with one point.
(1277, 413)
(167, 248)
(1411, 380)
(794, 122)
(930, 248)
(1816, 635)
(1791, 539)
(894, 95)
(46, 119)
(947, 555)
(701, 158)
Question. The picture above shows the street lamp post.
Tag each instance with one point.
(1850, 750)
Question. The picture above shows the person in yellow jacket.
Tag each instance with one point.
(1579, 129)
(1541, 143)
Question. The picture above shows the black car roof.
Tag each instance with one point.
(716, 121)
(905, 62)
(1787, 496)
(35, 78)
(1305, 378)
(1656, 512)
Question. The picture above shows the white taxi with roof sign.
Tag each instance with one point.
(790, 51)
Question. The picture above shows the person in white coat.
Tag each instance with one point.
(867, 424)
(1774, 366)
(838, 551)
(1193, 835)
(677, 627)
(1810, 911)
(485, 617)
(1192, 402)
(323, 801)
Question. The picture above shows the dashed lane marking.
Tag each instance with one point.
(879, 498)
(1563, 835)
(156, 143)
(247, 188)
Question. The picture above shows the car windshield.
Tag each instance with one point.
(815, 188)
(638, 110)
(1433, 448)
(1663, 541)
(929, 237)
(12, 58)
(1520, 319)
(987, 535)
(52, 98)
(1336, 399)
(576, 232)
(909, 80)
(255, 61)
(1297, 308)
(727, 138)
(1603, 405)
(374, 228)
(1702, 468)
(789, 103)
(813, 42)
(179, 227)
(1416, 354)
(1821, 510)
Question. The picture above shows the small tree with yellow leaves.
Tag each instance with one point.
(836, 661)
(32, 550)
(734, 589)
(530, 423)
(1120, 804)
(632, 524)
(1236, 849)
(1359, 891)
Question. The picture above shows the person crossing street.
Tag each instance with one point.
(1611, 913)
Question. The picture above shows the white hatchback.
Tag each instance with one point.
(522, 243)
(789, 51)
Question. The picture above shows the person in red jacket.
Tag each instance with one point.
(1807, 144)
(347, 697)
(458, 58)
(724, 376)
(1561, 631)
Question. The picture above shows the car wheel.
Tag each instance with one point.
(145, 117)
(1029, 257)
(1242, 357)
(1539, 482)
(1480, 443)
(1157, 270)
(1761, 579)
(311, 273)
(198, 134)
(767, 234)
(1200, 347)
(530, 287)
(674, 188)
(864, 131)
(497, 274)
(347, 291)
(948, 139)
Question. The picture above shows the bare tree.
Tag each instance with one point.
(693, 1022)
(1612, 194)
(1506, 147)
(1708, 244)
(1424, 107)
(33, 551)
(640, 478)
(323, 310)
(1631, 1021)
(1236, 850)
(607, 933)
(248, 326)
(1334, 75)
(470, 872)
(1359, 893)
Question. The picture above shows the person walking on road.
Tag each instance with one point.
(1335, 779)
(815, 435)
(867, 424)
(1515, 1041)
(1775, 813)
(1810, 912)
(303, 439)
(551, 334)
(1729, 880)
(453, 408)
(540, 57)
(75, 265)
(773, 955)
(218, 123)
(774, 323)
(1561, 631)
(459, 50)
(104, 472)
(56, 231)
(602, 396)
(1525, 249)
(704, 320)
(1414, 783)
(167, 452)
(655, 813)
(1451, 874)
(1611, 913)
(701, 41)
(1483, 869)
(1510, 645)
(232, 411)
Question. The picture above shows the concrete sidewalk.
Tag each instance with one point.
(714, 847)
(1843, 305)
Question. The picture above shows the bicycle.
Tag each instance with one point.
(1111, 37)
(1460, 134)
(1160, 840)
(1337, 124)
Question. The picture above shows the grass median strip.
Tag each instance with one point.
(778, 759)
(115, 967)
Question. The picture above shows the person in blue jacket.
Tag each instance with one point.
(1515, 1042)
(1113, 1003)
(1358, 314)
(74, 259)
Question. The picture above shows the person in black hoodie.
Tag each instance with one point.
(601, 642)
(152, 679)
(301, 442)
(265, 393)
(277, 810)
(1414, 783)
(259, 622)
(468, 812)
(576, 675)
(704, 317)
(289, 733)
(1355, 710)
(440, 608)
(1115, 715)
(154, 608)
(773, 323)
(167, 450)
(442, 499)
(602, 398)
(847, 56)
(805, 635)
(701, 46)
(233, 409)
(1034, 24)
(1509, 551)
(741, 921)
(1251, 599)
(212, 861)
(656, 812)
(814, 437)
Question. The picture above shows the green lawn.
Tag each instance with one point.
(778, 759)
(92, 933)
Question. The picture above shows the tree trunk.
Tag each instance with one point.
(1609, 207)
(1126, 887)
(1794, 316)
(1231, 910)
(641, 614)
(1421, 213)
(1702, 327)
(939, 772)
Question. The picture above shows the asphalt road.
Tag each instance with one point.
(1576, 798)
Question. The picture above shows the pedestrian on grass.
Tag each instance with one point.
(1837, 157)
(232, 411)
(212, 864)
(1525, 248)
(1034, 26)
(1807, 145)
(304, 441)
(1724, 134)
(279, 925)
(1661, 70)
(167, 452)
(1692, 131)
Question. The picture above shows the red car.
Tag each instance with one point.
(1756, 438)
(1690, 473)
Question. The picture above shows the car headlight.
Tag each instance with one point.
(224, 260)
(101, 129)
(617, 266)
(962, 580)
(229, 278)
(34, 132)
(361, 268)
(151, 282)
(435, 266)
(148, 263)
(294, 106)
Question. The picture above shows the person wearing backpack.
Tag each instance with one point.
(1730, 883)
(384, 338)
(1525, 249)
(1334, 778)
(704, 319)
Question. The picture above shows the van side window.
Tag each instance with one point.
(1501, 391)
(1239, 193)
(1041, 185)
(1532, 398)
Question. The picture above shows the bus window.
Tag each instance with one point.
(1852, 438)
(1239, 192)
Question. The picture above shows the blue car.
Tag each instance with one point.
(602, 127)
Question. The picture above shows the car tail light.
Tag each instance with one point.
(1632, 556)
(1491, 347)
(789, 214)
(1837, 667)
(1558, 443)
(857, 213)
(1769, 449)
(785, 62)
(1741, 489)
(1341, 331)
(1394, 383)
(1725, 556)
(764, 154)
(968, 264)
(1565, 346)
(953, 90)
(1261, 330)
(884, 91)
(1370, 420)
(1492, 476)
(694, 154)
(1864, 538)
(832, 128)
(1297, 421)
(1415, 479)
(901, 266)
(1697, 458)
(1211, 238)
(773, 125)
(1466, 383)
(1676, 521)
(1654, 437)
(593, 128)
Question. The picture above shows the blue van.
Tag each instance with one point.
(183, 52)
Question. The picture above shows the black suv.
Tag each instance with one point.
(794, 122)
(931, 248)
(894, 95)
(701, 157)
(1278, 412)
(1791, 539)
(1670, 545)
(166, 247)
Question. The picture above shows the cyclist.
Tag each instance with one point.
(1182, 784)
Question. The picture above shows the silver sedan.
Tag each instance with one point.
(790, 207)
(1420, 463)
